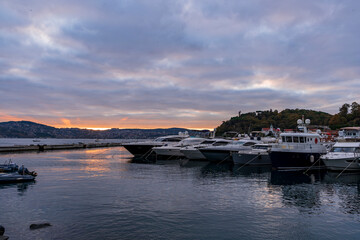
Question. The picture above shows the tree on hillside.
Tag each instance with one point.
(344, 110)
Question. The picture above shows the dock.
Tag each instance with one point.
(46, 147)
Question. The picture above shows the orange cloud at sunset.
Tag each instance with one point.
(126, 122)
(67, 122)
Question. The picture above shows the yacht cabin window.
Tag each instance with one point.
(172, 140)
(288, 139)
(220, 143)
(296, 139)
(249, 144)
(302, 139)
(260, 147)
(345, 149)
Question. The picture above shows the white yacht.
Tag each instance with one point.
(257, 155)
(144, 148)
(224, 153)
(299, 150)
(343, 156)
(174, 150)
(349, 134)
(193, 152)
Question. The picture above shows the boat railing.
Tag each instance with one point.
(296, 146)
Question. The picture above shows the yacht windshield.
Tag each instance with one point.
(163, 139)
(220, 143)
(249, 143)
(260, 147)
(344, 149)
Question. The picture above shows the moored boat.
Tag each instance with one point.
(224, 153)
(257, 155)
(15, 177)
(174, 150)
(299, 150)
(144, 148)
(193, 152)
(343, 156)
(8, 167)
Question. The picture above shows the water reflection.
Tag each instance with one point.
(141, 160)
(21, 187)
(346, 177)
(216, 169)
(258, 171)
(298, 189)
(345, 187)
(295, 177)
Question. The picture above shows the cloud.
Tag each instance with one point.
(187, 62)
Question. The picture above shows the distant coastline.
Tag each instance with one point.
(27, 129)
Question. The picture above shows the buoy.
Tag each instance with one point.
(39, 225)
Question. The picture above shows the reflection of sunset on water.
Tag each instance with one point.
(95, 161)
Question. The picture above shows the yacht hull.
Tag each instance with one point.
(251, 159)
(139, 150)
(170, 152)
(295, 160)
(192, 154)
(340, 164)
(217, 155)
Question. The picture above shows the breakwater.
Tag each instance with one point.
(45, 147)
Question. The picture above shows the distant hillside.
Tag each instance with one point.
(286, 119)
(26, 129)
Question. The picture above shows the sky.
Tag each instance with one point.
(187, 63)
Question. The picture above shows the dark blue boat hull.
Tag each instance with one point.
(217, 155)
(295, 160)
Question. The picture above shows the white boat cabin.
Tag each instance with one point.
(299, 138)
(350, 147)
(349, 134)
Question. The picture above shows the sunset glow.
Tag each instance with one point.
(193, 64)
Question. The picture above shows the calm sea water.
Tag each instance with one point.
(101, 194)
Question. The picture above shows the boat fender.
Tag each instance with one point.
(311, 158)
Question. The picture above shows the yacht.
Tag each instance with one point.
(144, 148)
(174, 150)
(349, 134)
(343, 156)
(224, 153)
(193, 152)
(257, 155)
(298, 150)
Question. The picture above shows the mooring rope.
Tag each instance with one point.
(346, 167)
(311, 166)
(247, 163)
(224, 159)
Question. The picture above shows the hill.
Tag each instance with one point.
(348, 116)
(26, 129)
(286, 119)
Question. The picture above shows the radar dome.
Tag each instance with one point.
(299, 121)
(307, 121)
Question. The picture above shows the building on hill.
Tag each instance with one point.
(269, 131)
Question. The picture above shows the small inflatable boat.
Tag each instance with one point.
(15, 177)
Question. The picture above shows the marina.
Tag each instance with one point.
(148, 188)
(186, 120)
(101, 193)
